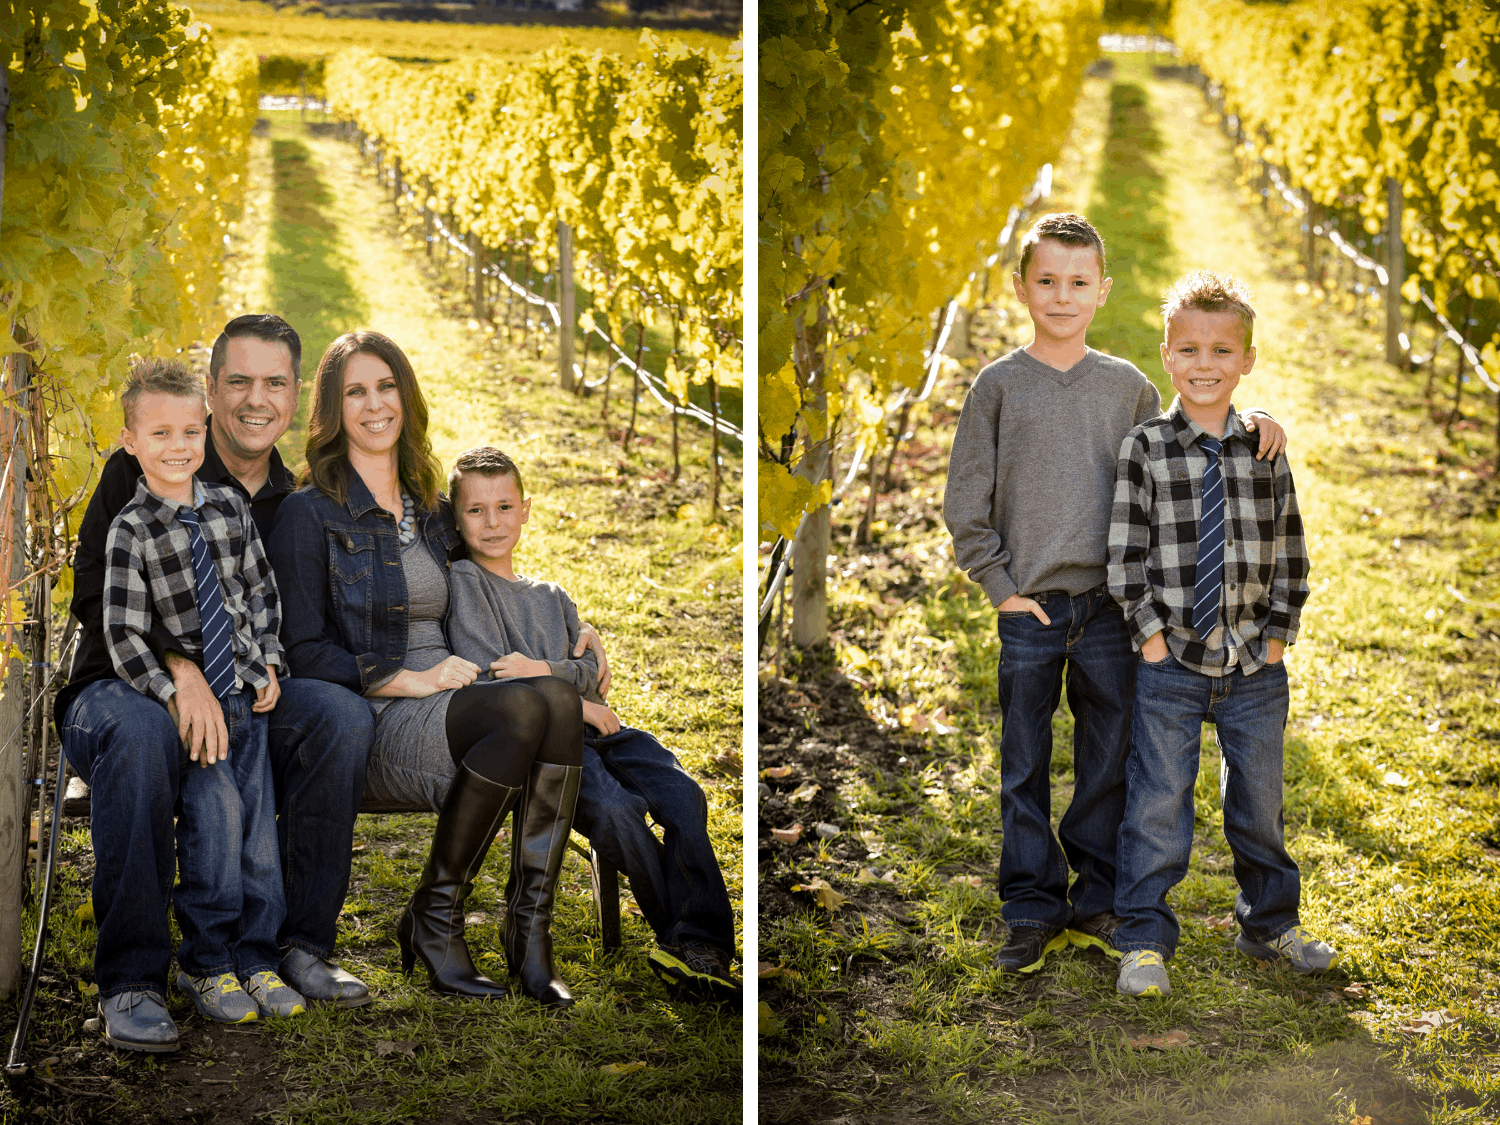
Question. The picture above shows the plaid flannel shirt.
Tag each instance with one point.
(149, 570)
(1153, 544)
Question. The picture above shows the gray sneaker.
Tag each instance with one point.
(138, 1021)
(1305, 953)
(219, 998)
(272, 995)
(1143, 974)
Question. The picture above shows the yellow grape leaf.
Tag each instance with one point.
(785, 497)
(623, 1068)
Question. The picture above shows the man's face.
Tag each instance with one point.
(1062, 289)
(254, 398)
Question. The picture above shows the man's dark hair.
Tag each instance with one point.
(260, 326)
(1064, 227)
(484, 461)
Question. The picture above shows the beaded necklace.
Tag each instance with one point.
(407, 528)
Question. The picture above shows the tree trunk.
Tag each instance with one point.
(810, 551)
(1395, 268)
(635, 381)
(568, 329)
(713, 404)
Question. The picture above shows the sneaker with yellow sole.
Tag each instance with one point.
(1143, 974)
(273, 996)
(219, 998)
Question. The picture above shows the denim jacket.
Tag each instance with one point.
(343, 590)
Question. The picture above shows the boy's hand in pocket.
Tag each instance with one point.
(1016, 603)
(1154, 651)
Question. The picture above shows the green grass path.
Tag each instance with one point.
(647, 566)
(1393, 749)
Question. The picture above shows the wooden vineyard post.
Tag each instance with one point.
(1310, 240)
(810, 550)
(302, 95)
(427, 227)
(396, 189)
(1395, 267)
(477, 257)
(635, 381)
(14, 824)
(565, 306)
(713, 456)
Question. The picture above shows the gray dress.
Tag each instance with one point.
(410, 762)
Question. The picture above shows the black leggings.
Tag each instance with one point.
(498, 728)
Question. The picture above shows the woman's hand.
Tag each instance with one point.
(514, 666)
(455, 672)
(601, 718)
(588, 638)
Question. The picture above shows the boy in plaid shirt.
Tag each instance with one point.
(185, 570)
(1207, 559)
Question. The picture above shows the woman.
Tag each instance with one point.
(360, 554)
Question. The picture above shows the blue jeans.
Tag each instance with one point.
(229, 899)
(320, 735)
(1089, 638)
(1172, 703)
(676, 880)
(126, 747)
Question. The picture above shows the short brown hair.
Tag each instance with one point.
(328, 445)
(1064, 227)
(259, 326)
(158, 376)
(484, 461)
(1207, 291)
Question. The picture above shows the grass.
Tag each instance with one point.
(887, 1007)
(658, 576)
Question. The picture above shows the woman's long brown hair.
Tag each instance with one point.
(327, 444)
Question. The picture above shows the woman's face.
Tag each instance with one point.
(372, 405)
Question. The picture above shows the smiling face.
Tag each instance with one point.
(491, 513)
(166, 435)
(372, 413)
(1062, 290)
(253, 399)
(1205, 354)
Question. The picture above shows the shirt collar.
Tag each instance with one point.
(279, 479)
(1188, 431)
(164, 510)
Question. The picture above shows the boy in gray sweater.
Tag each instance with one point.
(518, 627)
(1030, 483)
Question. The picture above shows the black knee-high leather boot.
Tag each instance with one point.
(543, 821)
(433, 926)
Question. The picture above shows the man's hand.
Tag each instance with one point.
(1015, 603)
(514, 666)
(1154, 651)
(198, 715)
(266, 697)
(589, 639)
(601, 718)
(1275, 650)
(1272, 435)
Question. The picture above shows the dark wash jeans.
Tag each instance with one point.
(1089, 638)
(127, 748)
(1172, 703)
(676, 880)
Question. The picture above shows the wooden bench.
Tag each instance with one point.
(603, 876)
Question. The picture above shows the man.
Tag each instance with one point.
(133, 752)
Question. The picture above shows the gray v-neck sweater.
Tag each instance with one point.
(1032, 471)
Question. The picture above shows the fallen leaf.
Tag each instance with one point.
(633, 907)
(730, 762)
(475, 919)
(1224, 923)
(1356, 990)
(776, 773)
(766, 1019)
(1172, 1040)
(1264, 966)
(88, 989)
(1330, 997)
(867, 875)
(806, 791)
(940, 724)
(768, 971)
(828, 898)
(386, 1047)
(622, 1068)
(970, 880)
(873, 844)
(1429, 1022)
(1395, 779)
(788, 835)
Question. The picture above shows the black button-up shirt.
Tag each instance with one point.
(117, 485)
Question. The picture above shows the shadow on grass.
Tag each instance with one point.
(1129, 210)
(307, 279)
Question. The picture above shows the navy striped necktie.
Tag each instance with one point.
(217, 629)
(1209, 577)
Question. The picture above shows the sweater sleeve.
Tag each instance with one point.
(581, 671)
(969, 495)
(476, 631)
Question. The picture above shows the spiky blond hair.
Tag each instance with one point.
(1208, 291)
